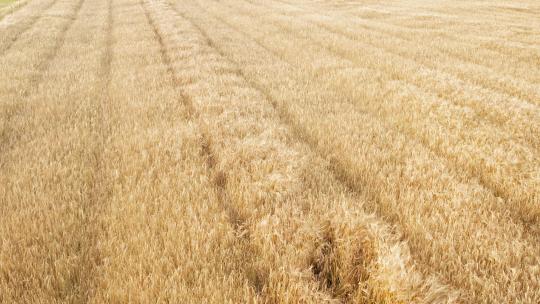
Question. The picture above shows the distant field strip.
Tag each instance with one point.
(9, 6)
(283, 151)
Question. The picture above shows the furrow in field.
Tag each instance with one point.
(273, 183)
(161, 201)
(455, 28)
(485, 78)
(489, 156)
(39, 59)
(250, 272)
(420, 15)
(186, 101)
(512, 114)
(16, 92)
(473, 54)
(501, 22)
(256, 276)
(14, 26)
(510, 71)
(527, 93)
(100, 187)
(108, 54)
(27, 62)
(217, 178)
(48, 57)
(49, 180)
(407, 185)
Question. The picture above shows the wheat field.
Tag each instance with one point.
(269, 151)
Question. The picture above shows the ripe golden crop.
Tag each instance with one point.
(249, 151)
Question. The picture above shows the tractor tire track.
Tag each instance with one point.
(218, 178)
(92, 227)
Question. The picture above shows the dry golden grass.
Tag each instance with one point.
(249, 151)
(8, 6)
